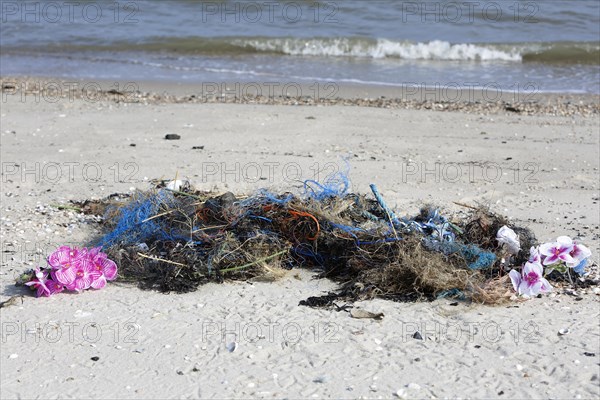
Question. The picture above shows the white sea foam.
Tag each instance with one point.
(383, 48)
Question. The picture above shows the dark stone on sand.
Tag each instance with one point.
(217, 204)
(417, 335)
(172, 136)
(95, 358)
(198, 148)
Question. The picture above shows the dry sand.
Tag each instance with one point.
(541, 170)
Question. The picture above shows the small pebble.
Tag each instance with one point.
(172, 136)
(231, 347)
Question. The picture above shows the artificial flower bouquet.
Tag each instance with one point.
(73, 269)
(562, 255)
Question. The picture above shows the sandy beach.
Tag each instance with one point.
(537, 162)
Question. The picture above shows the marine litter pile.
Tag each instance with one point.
(177, 240)
(174, 238)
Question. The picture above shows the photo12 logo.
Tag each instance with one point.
(268, 12)
(30, 252)
(53, 91)
(250, 91)
(70, 332)
(271, 332)
(464, 331)
(268, 171)
(471, 172)
(71, 12)
(68, 172)
(455, 92)
(460, 12)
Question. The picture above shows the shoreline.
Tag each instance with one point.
(468, 100)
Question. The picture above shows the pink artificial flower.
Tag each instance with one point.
(105, 266)
(534, 255)
(40, 282)
(85, 274)
(578, 253)
(62, 260)
(53, 285)
(74, 269)
(558, 251)
(531, 281)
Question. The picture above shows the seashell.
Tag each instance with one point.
(563, 331)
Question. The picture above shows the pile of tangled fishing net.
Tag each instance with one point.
(177, 240)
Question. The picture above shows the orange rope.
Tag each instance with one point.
(298, 214)
(202, 214)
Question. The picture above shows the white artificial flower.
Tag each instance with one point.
(508, 237)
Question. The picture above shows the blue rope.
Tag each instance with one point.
(395, 221)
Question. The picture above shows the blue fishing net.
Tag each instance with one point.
(137, 222)
(335, 185)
